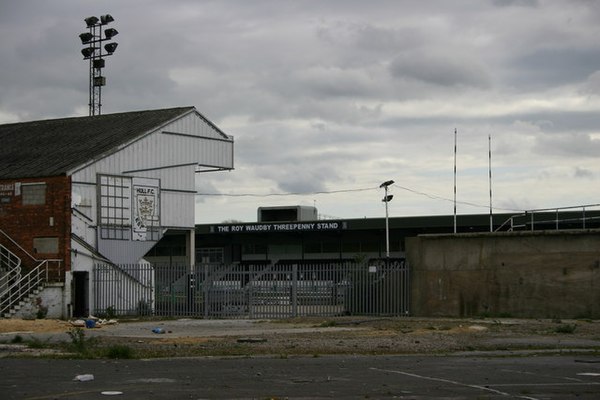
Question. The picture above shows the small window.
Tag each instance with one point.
(210, 255)
(33, 194)
(45, 245)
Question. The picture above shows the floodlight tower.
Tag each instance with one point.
(93, 52)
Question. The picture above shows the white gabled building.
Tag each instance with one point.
(108, 188)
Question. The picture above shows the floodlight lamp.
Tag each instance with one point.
(388, 198)
(91, 21)
(386, 183)
(105, 19)
(99, 63)
(110, 47)
(110, 32)
(99, 81)
(86, 37)
(88, 51)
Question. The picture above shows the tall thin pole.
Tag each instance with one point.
(386, 199)
(490, 174)
(454, 180)
(387, 226)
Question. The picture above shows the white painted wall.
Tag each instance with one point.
(171, 153)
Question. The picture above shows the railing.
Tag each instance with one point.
(16, 285)
(266, 291)
(17, 245)
(21, 287)
(575, 217)
(10, 268)
(9, 261)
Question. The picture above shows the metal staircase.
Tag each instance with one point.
(19, 285)
(10, 269)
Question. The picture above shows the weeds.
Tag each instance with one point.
(79, 342)
(36, 343)
(119, 352)
(328, 324)
(565, 328)
(17, 339)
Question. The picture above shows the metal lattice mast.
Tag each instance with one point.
(93, 52)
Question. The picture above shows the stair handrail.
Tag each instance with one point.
(9, 259)
(12, 271)
(7, 236)
(19, 289)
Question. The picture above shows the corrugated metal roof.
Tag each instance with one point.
(54, 147)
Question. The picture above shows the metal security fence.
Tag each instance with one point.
(253, 291)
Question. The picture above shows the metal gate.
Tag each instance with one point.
(254, 291)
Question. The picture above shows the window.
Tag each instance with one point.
(45, 245)
(210, 255)
(115, 207)
(251, 248)
(33, 193)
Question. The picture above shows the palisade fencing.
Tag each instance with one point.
(254, 291)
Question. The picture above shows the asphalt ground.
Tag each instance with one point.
(314, 359)
(352, 377)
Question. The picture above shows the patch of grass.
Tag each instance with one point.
(36, 343)
(565, 328)
(488, 314)
(77, 336)
(328, 324)
(79, 343)
(119, 352)
(17, 339)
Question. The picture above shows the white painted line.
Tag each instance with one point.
(544, 384)
(589, 374)
(542, 375)
(430, 378)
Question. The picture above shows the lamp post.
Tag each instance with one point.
(386, 199)
(93, 52)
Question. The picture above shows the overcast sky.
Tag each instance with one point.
(329, 99)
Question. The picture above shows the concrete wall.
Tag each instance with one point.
(546, 274)
(48, 303)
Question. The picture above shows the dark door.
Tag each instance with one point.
(81, 283)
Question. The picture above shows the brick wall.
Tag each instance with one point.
(43, 228)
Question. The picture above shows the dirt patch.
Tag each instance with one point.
(33, 326)
(341, 335)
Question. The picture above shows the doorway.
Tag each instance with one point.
(81, 284)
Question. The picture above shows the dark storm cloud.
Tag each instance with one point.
(555, 66)
(440, 70)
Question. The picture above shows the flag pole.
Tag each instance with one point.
(490, 174)
(454, 180)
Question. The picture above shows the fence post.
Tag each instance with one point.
(294, 290)
(205, 290)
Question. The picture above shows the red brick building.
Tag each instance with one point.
(36, 214)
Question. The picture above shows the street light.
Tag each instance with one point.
(386, 199)
(93, 52)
